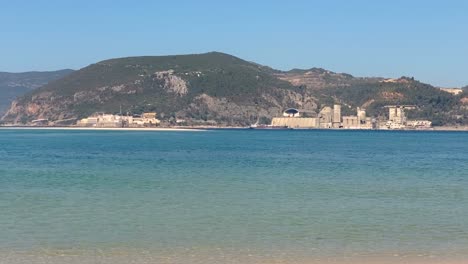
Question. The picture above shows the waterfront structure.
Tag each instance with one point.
(351, 122)
(106, 120)
(110, 121)
(336, 116)
(361, 114)
(396, 113)
(144, 120)
(291, 112)
(101, 120)
(326, 117)
(359, 121)
(295, 122)
(419, 124)
(397, 119)
(151, 115)
(88, 122)
(292, 118)
(331, 118)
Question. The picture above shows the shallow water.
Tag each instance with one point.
(309, 194)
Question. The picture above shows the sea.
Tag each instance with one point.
(232, 196)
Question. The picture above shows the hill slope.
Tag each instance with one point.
(13, 85)
(222, 89)
(211, 86)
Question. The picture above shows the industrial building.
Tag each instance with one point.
(110, 121)
(331, 118)
(291, 112)
(396, 115)
(295, 122)
(359, 121)
(336, 116)
(397, 118)
(327, 118)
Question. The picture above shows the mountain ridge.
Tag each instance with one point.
(219, 88)
(14, 84)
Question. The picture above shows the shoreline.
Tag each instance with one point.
(182, 256)
(207, 128)
(102, 128)
(450, 128)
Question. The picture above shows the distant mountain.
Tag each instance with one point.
(13, 85)
(217, 88)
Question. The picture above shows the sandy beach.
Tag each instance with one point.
(451, 128)
(204, 128)
(213, 257)
(104, 128)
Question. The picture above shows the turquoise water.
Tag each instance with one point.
(314, 193)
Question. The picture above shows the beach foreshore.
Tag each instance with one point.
(103, 128)
(176, 257)
(451, 128)
(204, 128)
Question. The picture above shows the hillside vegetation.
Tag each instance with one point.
(13, 85)
(217, 88)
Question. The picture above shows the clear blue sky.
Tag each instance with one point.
(425, 39)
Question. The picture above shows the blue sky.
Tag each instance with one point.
(425, 39)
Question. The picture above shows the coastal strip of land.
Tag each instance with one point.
(206, 128)
(177, 129)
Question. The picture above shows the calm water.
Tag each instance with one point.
(265, 192)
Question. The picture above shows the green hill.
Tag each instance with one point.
(219, 88)
(186, 86)
(13, 85)
(440, 107)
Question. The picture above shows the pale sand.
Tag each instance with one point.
(451, 128)
(204, 128)
(212, 257)
(23, 259)
(104, 129)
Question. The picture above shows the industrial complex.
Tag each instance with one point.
(331, 118)
(110, 121)
(292, 118)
